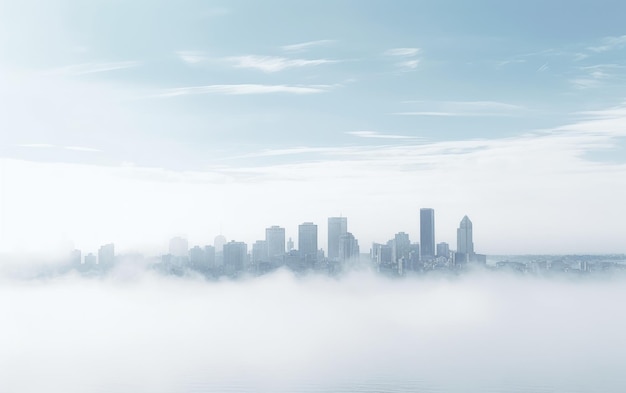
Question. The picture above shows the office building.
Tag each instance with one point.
(427, 233)
(464, 237)
(106, 255)
(348, 247)
(307, 241)
(443, 250)
(275, 239)
(235, 257)
(337, 227)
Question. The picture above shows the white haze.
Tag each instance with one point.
(140, 332)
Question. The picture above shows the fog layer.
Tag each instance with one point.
(280, 333)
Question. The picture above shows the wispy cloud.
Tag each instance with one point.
(92, 68)
(82, 148)
(51, 146)
(462, 109)
(543, 68)
(609, 43)
(192, 57)
(377, 135)
(303, 46)
(596, 75)
(273, 63)
(410, 63)
(244, 89)
(405, 52)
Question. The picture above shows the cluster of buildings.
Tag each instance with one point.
(397, 256)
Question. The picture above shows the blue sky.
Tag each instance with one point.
(487, 108)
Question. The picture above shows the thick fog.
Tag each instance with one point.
(141, 332)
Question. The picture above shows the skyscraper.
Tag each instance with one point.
(348, 247)
(337, 227)
(307, 241)
(427, 233)
(235, 257)
(275, 239)
(464, 237)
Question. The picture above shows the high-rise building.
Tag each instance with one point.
(464, 237)
(259, 251)
(106, 255)
(235, 256)
(427, 233)
(197, 258)
(337, 227)
(209, 254)
(275, 239)
(348, 247)
(179, 247)
(307, 241)
(402, 245)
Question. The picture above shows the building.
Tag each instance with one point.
(209, 254)
(427, 233)
(259, 251)
(348, 247)
(90, 260)
(307, 241)
(235, 257)
(179, 247)
(106, 255)
(464, 237)
(402, 246)
(218, 243)
(197, 258)
(337, 227)
(443, 250)
(275, 239)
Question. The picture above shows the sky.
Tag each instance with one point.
(132, 122)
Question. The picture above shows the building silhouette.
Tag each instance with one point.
(235, 257)
(443, 250)
(427, 233)
(307, 241)
(275, 239)
(348, 247)
(465, 237)
(106, 255)
(337, 227)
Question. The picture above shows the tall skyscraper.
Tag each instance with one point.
(307, 241)
(337, 227)
(235, 257)
(275, 239)
(348, 247)
(427, 233)
(464, 237)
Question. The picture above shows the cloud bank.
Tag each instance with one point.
(278, 333)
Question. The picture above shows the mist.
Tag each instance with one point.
(136, 331)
